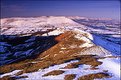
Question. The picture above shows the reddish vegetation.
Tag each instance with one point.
(94, 76)
(7, 78)
(69, 77)
(89, 60)
(55, 72)
(19, 73)
(63, 36)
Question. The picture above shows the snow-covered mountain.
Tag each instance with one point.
(59, 48)
(11, 26)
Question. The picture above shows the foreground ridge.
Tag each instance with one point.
(71, 53)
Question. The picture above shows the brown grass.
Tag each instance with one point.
(63, 36)
(94, 76)
(55, 72)
(69, 77)
(19, 73)
(89, 60)
(7, 78)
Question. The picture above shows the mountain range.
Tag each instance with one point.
(59, 48)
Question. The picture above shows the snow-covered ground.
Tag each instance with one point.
(111, 65)
(108, 45)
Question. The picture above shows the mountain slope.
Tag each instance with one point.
(73, 54)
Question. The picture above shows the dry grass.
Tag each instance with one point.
(7, 78)
(87, 59)
(55, 72)
(19, 73)
(69, 77)
(94, 76)
(12, 78)
(31, 67)
(63, 36)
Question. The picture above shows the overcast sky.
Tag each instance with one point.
(89, 8)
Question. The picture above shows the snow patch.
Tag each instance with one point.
(110, 46)
(88, 35)
(10, 73)
(63, 48)
(86, 45)
(113, 66)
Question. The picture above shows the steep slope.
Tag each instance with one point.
(15, 48)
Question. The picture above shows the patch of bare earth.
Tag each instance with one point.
(69, 77)
(94, 76)
(54, 72)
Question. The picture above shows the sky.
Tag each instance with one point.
(86, 8)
